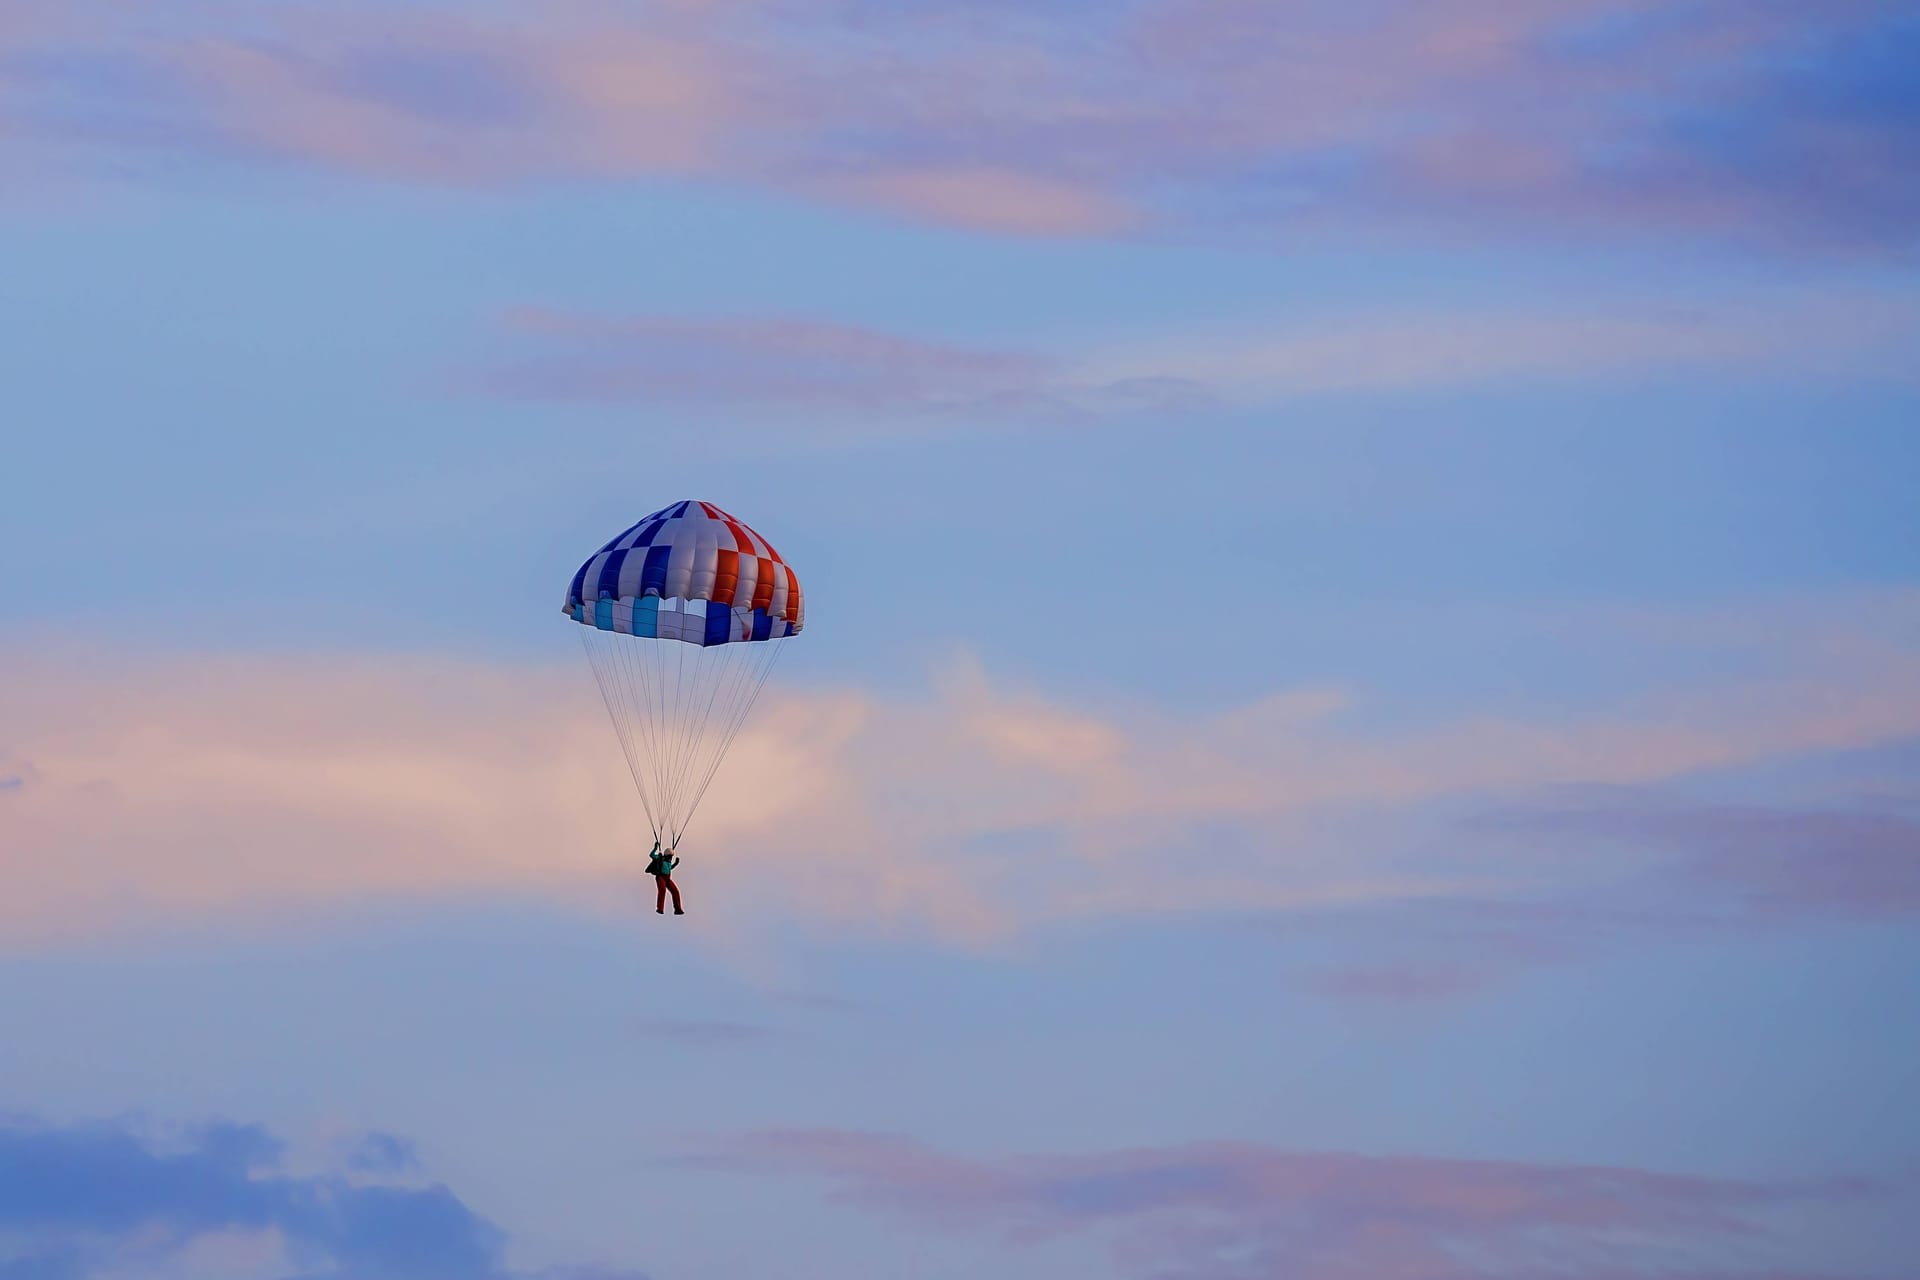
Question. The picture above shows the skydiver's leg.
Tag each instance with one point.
(674, 889)
(660, 896)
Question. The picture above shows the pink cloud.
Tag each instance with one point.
(1632, 868)
(997, 200)
(155, 790)
(779, 361)
(1801, 334)
(1438, 951)
(1770, 862)
(804, 363)
(1233, 1209)
(1619, 115)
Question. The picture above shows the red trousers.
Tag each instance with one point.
(664, 886)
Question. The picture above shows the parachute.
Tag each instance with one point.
(683, 617)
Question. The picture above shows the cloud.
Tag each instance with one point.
(1669, 868)
(783, 362)
(87, 1199)
(1763, 335)
(1770, 122)
(1436, 950)
(418, 96)
(1765, 862)
(797, 365)
(1219, 1211)
(990, 199)
(1720, 120)
(383, 1153)
(176, 789)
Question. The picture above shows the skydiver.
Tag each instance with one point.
(660, 866)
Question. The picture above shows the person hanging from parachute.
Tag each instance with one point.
(660, 865)
(683, 617)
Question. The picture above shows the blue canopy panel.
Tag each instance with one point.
(692, 621)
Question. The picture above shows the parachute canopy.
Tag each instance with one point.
(683, 616)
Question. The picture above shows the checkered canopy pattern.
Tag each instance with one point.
(689, 572)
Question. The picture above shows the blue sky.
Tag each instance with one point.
(1358, 711)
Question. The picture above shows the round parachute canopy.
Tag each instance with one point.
(682, 616)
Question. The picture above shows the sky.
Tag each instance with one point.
(1359, 716)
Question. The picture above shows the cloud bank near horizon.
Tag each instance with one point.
(1237, 1210)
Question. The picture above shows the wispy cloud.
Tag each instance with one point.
(1764, 334)
(1439, 950)
(174, 788)
(782, 362)
(1222, 1211)
(798, 365)
(1669, 868)
(1770, 122)
(1765, 862)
